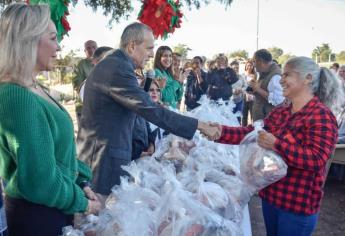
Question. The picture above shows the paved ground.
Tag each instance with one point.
(332, 215)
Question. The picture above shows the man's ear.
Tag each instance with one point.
(131, 47)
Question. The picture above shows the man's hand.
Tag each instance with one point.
(266, 140)
(212, 131)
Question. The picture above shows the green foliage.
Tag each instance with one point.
(323, 53)
(239, 54)
(283, 58)
(67, 78)
(276, 52)
(64, 65)
(119, 9)
(341, 57)
(181, 49)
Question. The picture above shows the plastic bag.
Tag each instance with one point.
(70, 231)
(259, 167)
(180, 214)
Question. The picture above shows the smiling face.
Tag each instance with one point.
(166, 59)
(47, 49)
(292, 83)
(141, 53)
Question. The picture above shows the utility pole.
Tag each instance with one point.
(257, 26)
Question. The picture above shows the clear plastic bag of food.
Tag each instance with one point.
(70, 231)
(260, 167)
(180, 214)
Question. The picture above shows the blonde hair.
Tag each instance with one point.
(21, 27)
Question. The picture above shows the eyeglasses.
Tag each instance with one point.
(154, 90)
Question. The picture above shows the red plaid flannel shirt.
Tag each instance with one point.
(305, 140)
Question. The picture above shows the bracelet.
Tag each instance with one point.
(84, 184)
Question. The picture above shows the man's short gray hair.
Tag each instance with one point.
(133, 33)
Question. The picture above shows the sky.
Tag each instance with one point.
(296, 26)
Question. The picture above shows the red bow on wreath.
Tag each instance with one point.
(58, 12)
(163, 16)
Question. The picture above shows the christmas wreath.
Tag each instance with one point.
(59, 12)
(163, 16)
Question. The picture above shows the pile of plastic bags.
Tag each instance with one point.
(188, 188)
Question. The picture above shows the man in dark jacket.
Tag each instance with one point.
(112, 97)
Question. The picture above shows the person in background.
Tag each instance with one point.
(98, 55)
(203, 64)
(341, 74)
(196, 84)
(220, 80)
(81, 72)
(155, 133)
(335, 67)
(267, 89)
(304, 133)
(238, 90)
(45, 183)
(338, 170)
(176, 67)
(84, 66)
(172, 90)
(211, 65)
(249, 74)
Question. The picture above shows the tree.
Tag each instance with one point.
(182, 49)
(63, 63)
(239, 54)
(323, 53)
(341, 57)
(118, 9)
(283, 58)
(276, 52)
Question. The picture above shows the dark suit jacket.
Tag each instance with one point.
(111, 99)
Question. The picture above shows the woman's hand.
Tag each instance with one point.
(89, 193)
(266, 140)
(254, 84)
(149, 151)
(93, 207)
(162, 82)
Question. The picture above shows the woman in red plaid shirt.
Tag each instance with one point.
(304, 132)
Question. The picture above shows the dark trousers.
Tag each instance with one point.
(247, 108)
(30, 219)
(283, 223)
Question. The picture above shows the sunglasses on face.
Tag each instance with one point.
(154, 90)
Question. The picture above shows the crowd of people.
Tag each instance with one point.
(49, 176)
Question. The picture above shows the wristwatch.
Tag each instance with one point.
(84, 184)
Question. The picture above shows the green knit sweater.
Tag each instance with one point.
(37, 151)
(173, 90)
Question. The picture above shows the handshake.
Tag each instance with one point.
(212, 131)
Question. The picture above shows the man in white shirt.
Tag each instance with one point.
(267, 89)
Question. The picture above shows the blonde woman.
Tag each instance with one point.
(46, 184)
